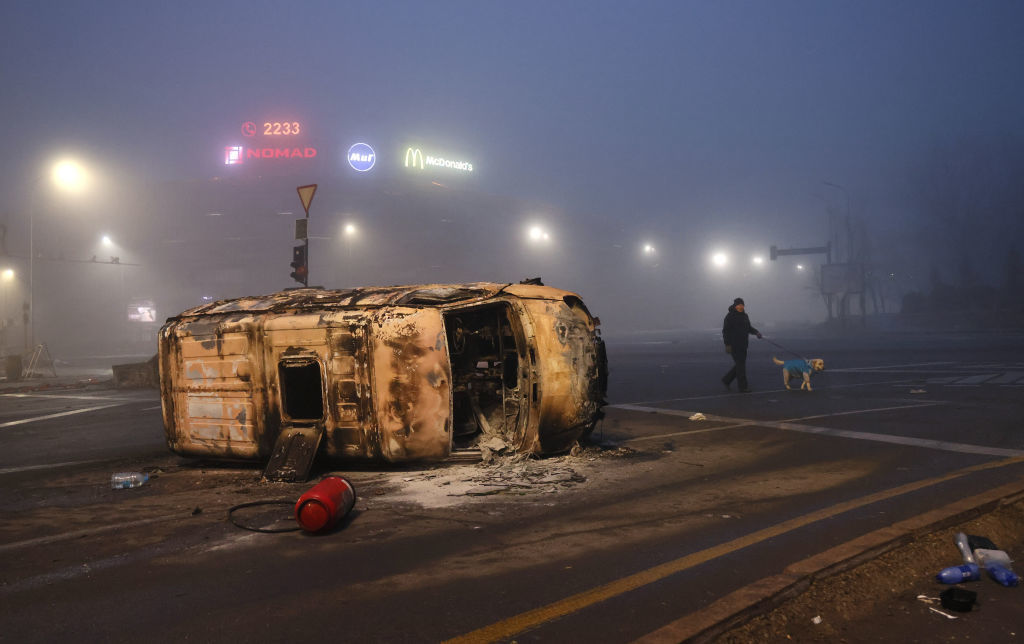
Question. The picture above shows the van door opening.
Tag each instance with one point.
(486, 378)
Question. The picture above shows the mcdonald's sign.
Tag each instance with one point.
(411, 156)
(414, 158)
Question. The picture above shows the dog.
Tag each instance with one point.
(799, 369)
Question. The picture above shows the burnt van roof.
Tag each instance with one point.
(414, 295)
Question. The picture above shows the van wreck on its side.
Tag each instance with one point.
(388, 374)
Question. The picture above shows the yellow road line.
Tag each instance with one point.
(579, 601)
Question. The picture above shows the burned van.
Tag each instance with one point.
(387, 374)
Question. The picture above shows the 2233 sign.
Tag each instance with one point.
(281, 128)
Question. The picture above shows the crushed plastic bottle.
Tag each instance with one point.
(986, 557)
(957, 574)
(125, 480)
(1002, 574)
(960, 539)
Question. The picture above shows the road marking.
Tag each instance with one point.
(530, 619)
(793, 424)
(151, 408)
(976, 380)
(39, 541)
(771, 391)
(1008, 377)
(72, 397)
(890, 366)
(12, 423)
(26, 468)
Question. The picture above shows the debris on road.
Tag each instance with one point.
(126, 480)
(698, 416)
(941, 612)
(503, 474)
(958, 599)
(918, 391)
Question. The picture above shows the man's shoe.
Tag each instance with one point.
(726, 383)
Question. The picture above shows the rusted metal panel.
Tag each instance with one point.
(391, 374)
(412, 377)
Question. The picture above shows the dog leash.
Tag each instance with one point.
(784, 348)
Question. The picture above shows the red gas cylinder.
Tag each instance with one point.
(325, 504)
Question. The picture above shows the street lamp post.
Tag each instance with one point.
(6, 276)
(66, 175)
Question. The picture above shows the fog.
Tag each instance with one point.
(642, 139)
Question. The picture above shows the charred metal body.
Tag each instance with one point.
(381, 374)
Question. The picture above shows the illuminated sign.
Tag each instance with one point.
(237, 154)
(361, 157)
(142, 312)
(233, 155)
(414, 158)
(281, 128)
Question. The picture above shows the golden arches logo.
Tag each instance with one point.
(412, 154)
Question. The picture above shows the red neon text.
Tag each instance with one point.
(280, 153)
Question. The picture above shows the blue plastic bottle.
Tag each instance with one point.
(1001, 573)
(957, 574)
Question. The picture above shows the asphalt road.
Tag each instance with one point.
(660, 519)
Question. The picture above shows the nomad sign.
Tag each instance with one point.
(415, 158)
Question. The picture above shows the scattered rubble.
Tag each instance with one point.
(501, 472)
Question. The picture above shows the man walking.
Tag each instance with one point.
(735, 330)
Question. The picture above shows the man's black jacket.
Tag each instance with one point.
(736, 329)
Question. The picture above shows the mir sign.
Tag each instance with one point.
(361, 157)
(417, 159)
(269, 140)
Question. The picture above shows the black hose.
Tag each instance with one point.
(250, 504)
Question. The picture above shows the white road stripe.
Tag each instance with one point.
(770, 391)
(70, 396)
(46, 466)
(151, 408)
(22, 421)
(892, 366)
(39, 541)
(976, 380)
(792, 425)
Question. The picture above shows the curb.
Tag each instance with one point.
(6, 388)
(764, 595)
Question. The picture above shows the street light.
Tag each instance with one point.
(649, 249)
(67, 175)
(70, 176)
(538, 234)
(107, 241)
(719, 259)
(799, 267)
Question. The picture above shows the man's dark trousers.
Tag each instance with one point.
(739, 369)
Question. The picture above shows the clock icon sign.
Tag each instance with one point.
(248, 128)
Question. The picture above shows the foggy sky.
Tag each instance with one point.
(695, 124)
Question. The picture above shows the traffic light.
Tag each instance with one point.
(301, 272)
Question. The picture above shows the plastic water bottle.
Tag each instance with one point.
(125, 480)
(957, 574)
(986, 557)
(1002, 574)
(960, 539)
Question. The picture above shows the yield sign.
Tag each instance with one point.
(306, 196)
